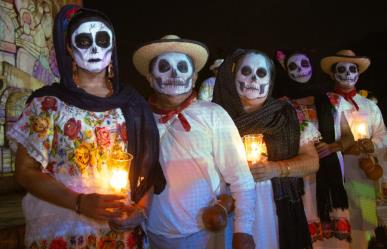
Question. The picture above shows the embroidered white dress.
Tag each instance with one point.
(266, 221)
(71, 145)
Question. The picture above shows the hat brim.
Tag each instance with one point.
(196, 50)
(362, 62)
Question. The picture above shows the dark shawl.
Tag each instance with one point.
(143, 137)
(330, 192)
(278, 123)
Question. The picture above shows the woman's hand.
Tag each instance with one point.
(325, 149)
(266, 170)
(133, 217)
(101, 207)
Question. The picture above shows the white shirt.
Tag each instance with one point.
(196, 164)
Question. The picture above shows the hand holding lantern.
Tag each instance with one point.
(255, 148)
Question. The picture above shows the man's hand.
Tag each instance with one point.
(266, 170)
(101, 207)
(133, 217)
(325, 149)
(242, 241)
(366, 145)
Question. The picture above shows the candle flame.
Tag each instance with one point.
(119, 179)
(362, 129)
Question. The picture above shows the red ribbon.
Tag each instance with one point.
(168, 114)
(348, 96)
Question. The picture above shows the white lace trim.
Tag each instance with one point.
(309, 134)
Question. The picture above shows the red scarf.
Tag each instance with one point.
(348, 96)
(166, 115)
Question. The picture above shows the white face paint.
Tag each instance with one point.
(172, 74)
(92, 44)
(299, 68)
(253, 77)
(346, 74)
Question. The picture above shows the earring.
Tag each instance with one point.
(233, 68)
(75, 72)
(110, 71)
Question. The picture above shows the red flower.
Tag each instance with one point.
(59, 243)
(49, 103)
(72, 128)
(50, 167)
(123, 133)
(312, 229)
(131, 241)
(103, 136)
(70, 13)
(342, 225)
(91, 240)
(334, 99)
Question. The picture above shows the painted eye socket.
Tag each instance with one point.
(353, 69)
(164, 66)
(182, 66)
(292, 66)
(305, 63)
(341, 69)
(83, 40)
(102, 39)
(246, 70)
(261, 72)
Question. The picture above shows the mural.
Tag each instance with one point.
(27, 59)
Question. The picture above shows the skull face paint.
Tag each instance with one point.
(92, 44)
(253, 77)
(346, 74)
(299, 68)
(172, 73)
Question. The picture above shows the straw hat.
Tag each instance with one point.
(345, 56)
(169, 43)
(216, 64)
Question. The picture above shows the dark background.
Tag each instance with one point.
(326, 26)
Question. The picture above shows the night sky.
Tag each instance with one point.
(327, 26)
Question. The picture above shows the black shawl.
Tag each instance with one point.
(278, 123)
(143, 137)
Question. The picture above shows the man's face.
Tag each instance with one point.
(346, 74)
(172, 74)
(92, 45)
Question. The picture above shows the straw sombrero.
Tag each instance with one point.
(170, 43)
(345, 56)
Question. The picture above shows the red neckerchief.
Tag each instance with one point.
(348, 96)
(166, 115)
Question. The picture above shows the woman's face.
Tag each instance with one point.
(299, 68)
(252, 78)
(92, 46)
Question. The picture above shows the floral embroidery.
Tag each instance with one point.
(59, 243)
(49, 103)
(40, 125)
(85, 155)
(72, 128)
(103, 136)
(337, 228)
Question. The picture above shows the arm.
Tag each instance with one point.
(28, 174)
(230, 158)
(305, 163)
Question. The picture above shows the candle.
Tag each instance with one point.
(255, 147)
(119, 165)
(360, 129)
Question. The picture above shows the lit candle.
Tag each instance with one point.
(119, 164)
(360, 130)
(255, 147)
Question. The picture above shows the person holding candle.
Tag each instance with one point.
(325, 199)
(200, 150)
(243, 87)
(361, 118)
(67, 134)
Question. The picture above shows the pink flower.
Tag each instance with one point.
(342, 225)
(123, 133)
(58, 243)
(103, 136)
(49, 103)
(72, 128)
(280, 55)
